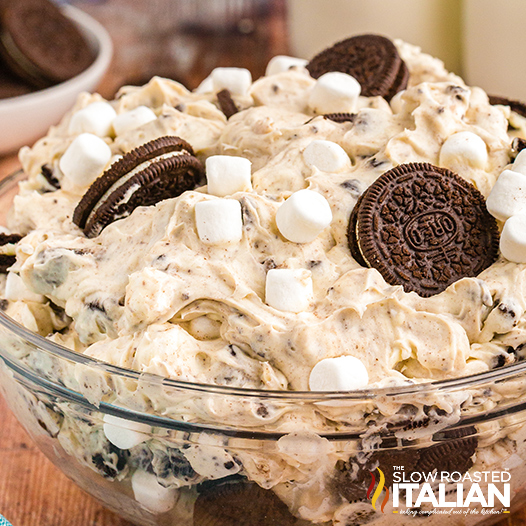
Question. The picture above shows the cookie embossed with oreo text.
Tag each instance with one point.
(423, 227)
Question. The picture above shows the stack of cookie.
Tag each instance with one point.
(39, 47)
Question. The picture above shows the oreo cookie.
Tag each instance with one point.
(517, 145)
(372, 60)
(423, 227)
(160, 169)
(452, 452)
(515, 105)
(226, 103)
(40, 44)
(7, 250)
(11, 86)
(340, 117)
(240, 503)
(47, 173)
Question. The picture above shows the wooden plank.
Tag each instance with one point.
(34, 492)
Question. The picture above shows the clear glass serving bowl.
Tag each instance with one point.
(201, 455)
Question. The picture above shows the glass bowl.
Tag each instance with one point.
(185, 454)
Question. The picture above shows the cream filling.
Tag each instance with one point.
(9, 249)
(125, 178)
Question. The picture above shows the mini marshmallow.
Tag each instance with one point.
(464, 147)
(206, 86)
(327, 156)
(344, 373)
(334, 92)
(226, 175)
(95, 118)
(124, 434)
(235, 80)
(85, 159)
(289, 290)
(508, 195)
(16, 290)
(129, 120)
(282, 63)
(219, 221)
(513, 239)
(519, 164)
(303, 216)
(150, 494)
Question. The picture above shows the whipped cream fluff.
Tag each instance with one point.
(151, 273)
(150, 294)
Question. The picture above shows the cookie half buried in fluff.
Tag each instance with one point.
(452, 450)
(160, 169)
(40, 44)
(515, 105)
(372, 60)
(7, 250)
(423, 227)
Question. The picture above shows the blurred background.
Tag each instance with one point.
(483, 40)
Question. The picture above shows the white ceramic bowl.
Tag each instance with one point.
(26, 118)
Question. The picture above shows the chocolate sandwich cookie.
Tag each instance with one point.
(452, 451)
(7, 250)
(226, 103)
(340, 117)
(11, 86)
(423, 227)
(160, 169)
(40, 44)
(372, 60)
(515, 105)
(517, 145)
(240, 503)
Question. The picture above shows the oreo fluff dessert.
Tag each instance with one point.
(352, 222)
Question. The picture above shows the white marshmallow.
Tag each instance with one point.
(289, 290)
(219, 221)
(508, 195)
(85, 159)
(464, 147)
(513, 239)
(129, 120)
(282, 63)
(344, 373)
(150, 494)
(206, 86)
(334, 92)
(124, 434)
(16, 290)
(95, 118)
(519, 164)
(235, 80)
(303, 216)
(327, 156)
(226, 175)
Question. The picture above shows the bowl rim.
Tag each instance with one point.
(103, 48)
(449, 385)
